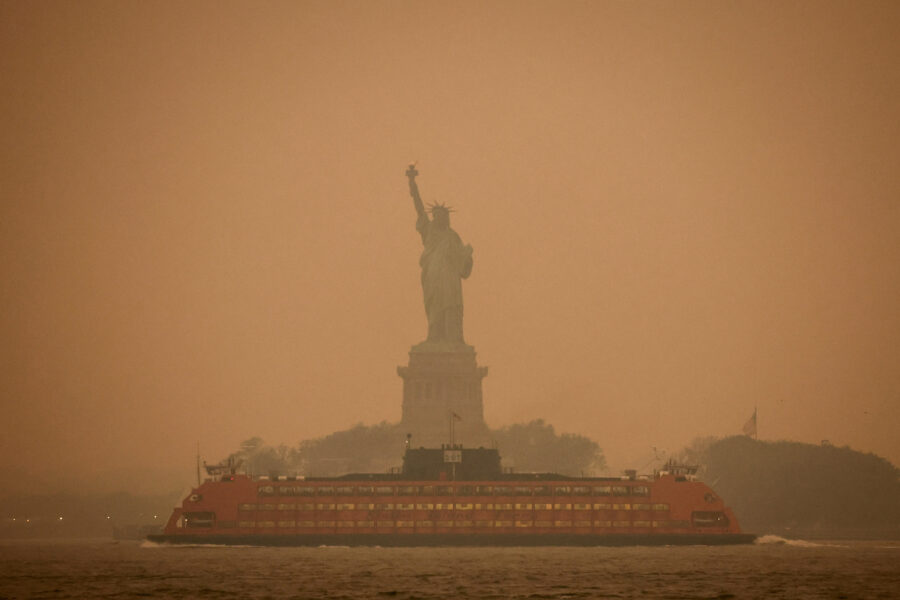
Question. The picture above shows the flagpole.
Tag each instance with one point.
(452, 440)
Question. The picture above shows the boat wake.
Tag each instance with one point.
(777, 540)
(149, 544)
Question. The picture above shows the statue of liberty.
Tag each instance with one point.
(444, 261)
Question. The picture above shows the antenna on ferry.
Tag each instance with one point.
(198, 463)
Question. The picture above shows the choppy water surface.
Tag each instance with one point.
(773, 568)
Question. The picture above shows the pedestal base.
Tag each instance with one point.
(443, 380)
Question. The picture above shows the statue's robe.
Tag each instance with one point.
(445, 262)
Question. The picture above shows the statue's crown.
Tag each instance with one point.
(439, 207)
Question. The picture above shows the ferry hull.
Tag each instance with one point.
(416, 540)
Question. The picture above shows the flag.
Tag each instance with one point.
(456, 416)
(750, 426)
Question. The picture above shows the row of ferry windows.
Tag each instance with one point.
(509, 523)
(448, 490)
(452, 506)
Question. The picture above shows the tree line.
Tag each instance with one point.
(802, 490)
(529, 447)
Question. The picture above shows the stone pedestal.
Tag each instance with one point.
(442, 380)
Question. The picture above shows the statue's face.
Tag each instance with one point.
(441, 219)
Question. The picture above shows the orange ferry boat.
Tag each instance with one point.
(453, 496)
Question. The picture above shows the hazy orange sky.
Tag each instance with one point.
(679, 210)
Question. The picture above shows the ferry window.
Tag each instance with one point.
(465, 490)
(266, 490)
(306, 490)
(326, 491)
(406, 490)
(285, 490)
(266, 507)
(483, 490)
(660, 507)
(562, 490)
(199, 519)
(620, 490)
(384, 490)
(581, 491)
(246, 507)
(709, 519)
(543, 490)
(524, 523)
(344, 491)
(426, 490)
(365, 490)
(640, 490)
(602, 490)
(501, 490)
(641, 507)
(443, 490)
(642, 523)
(522, 491)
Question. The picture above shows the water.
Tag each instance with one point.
(772, 568)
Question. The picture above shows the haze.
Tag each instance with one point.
(679, 210)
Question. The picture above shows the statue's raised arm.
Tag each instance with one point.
(414, 192)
